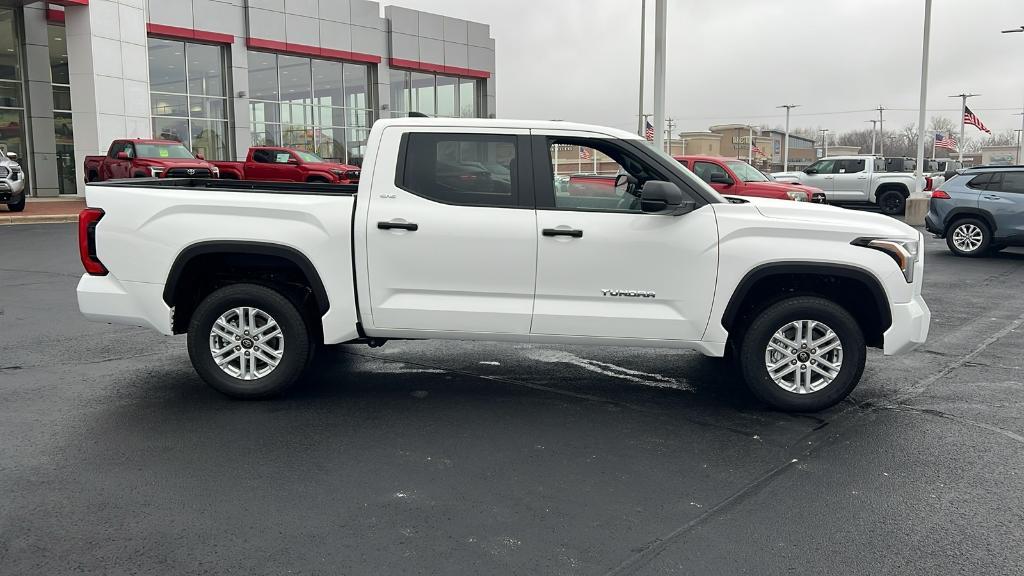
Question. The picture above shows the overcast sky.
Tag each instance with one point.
(736, 60)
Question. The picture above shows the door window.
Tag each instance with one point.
(849, 166)
(980, 181)
(1012, 182)
(468, 169)
(821, 167)
(594, 174)
(263, 156)
(119, 147)
(704, 170)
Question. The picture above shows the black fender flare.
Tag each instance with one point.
(763, 271)
(251, 248)
(969, 211)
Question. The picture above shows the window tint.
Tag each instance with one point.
(470, 169)
(263, 156)
(980, 181)
(850, 166)
(822, 166)
(704, 170)
(586, 172)
(1012, 182)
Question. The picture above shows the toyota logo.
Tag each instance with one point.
(191, 171)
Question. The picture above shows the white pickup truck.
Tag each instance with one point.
(456, 231)
(856, 179)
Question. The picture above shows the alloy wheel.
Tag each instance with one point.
(968, 237)
(246, 343)
(804, 356)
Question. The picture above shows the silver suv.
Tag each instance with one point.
(12, 184)
(980, 211)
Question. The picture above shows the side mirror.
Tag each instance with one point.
(293, 160)
(199, 156)
(719, 178)
(12, 156)
(659, 197)
(123, 156)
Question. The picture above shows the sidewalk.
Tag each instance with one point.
(44, 210)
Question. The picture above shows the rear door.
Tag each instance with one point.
(607, 269)
(850, 181)
(275, 164)
(451, 233)
(1003, 197)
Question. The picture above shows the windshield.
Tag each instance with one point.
(308, 157)
(171, 150)
(688, 175)
(746, 172)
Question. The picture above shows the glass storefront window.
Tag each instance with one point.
(10, 49)
(187, 96)
(433, 94)
(63, 128)
(309, 104)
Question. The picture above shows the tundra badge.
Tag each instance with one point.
(628, 293)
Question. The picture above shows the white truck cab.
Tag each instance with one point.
(458, 231)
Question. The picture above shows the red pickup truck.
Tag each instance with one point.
(288, 165)
(736, 177)
(139, 158)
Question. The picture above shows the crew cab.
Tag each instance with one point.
(857, 179)
(736, 177)
(287, 165)
(260, 274)
(140, 158)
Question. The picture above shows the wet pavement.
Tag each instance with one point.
(458, 457)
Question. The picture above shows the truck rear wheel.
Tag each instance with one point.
(802, 354)
(248, 341)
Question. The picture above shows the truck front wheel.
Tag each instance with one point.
(892, 202)
(248, 341)
(802, 354)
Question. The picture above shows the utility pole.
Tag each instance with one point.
(671, 122)
(1019, 133)
(640, 104)
(785, 144)
(881, 132)
(824, 140)
(874, 124)
(750, 145)
(963, 109)
(918, 192)
(660, 18)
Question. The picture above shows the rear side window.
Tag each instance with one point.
(980, 181)
(850, 166)
(263, 156)
(1012, 182)
(468, 169)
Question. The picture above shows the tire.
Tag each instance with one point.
(17, 206)
(892, 202)
(794, 394)
(263, 381)
(969, 237)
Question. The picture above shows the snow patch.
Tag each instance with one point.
(607, 369)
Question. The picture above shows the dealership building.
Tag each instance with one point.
(223, 75)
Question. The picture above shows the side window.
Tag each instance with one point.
(980, 181)
(282, 157)
(116, 149)
(596, 175)
(130, 149)
(1012, 182)
(469, 169)
(822, 166)
(850, 166)
(262, 156)
(704, 170)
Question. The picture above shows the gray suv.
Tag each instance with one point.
(980, 211)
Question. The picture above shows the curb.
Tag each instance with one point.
(38, 219)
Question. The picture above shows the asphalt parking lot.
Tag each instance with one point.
(451, 457)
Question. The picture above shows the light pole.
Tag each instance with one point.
(785, 144)
(660, 10)
(874, 123)
(640, 106)
(963, 109)
(1019, 133)
(919, 170)
(881, 132)
(824, 141)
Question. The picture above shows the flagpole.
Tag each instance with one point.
(960, 144)
(579, 159)
(933, 146)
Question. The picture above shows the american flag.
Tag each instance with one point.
(584, 153)
(756, 150)
(648, 131)
(972, 119)
(945, 141)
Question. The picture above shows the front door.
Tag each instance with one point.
(121, 168)
(450, 233)
(820, 175)
(605, 269)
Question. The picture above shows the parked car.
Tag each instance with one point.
(736, 177)
(12, 182)
(980, 211)
(141, 158)
(857, 179)
(287, 165)
(942, 170)
(797, 291)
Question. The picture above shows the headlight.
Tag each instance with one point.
(796, 195)
(904, 252)
(215, 171)
(156, 172)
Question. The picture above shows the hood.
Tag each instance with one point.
(9, 163)
(782, 187)
(833, 217)
(176, 162)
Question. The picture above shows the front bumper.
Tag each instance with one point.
(910, 321)
(11, 189)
